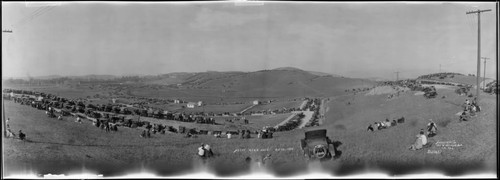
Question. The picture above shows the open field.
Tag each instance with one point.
(233, 108)
(255, 123)
(69, 145)
(277, 105)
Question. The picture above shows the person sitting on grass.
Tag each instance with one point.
(370, 128)
(22, 136)
(201, 151)
(419, 142)
(143, 134)
(208, 151)
(472, 112)
(78, 120)
(10, 134)
(381, 126)
(463, 116)
(387, 123)
(394, 123)
(431, 128)
(247, 135)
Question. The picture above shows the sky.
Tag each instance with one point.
(350, 39)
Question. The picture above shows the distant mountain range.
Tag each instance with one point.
(108, 77)
(312, 72)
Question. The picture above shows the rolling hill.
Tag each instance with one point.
(276, 83)
(281, 83)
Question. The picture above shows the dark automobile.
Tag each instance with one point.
(317, 146)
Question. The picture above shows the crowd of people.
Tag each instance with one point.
(470, 110)
(385, 124)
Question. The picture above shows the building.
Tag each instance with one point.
(200, 103)
(191, 105)
(177, 101)
(256, 102)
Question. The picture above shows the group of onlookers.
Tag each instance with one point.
(385, 124)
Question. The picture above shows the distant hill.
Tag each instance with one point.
(378, 79)
(93, 76)
(274, 83)
(312, 72)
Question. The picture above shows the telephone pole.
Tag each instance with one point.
(397, 75)
(478, 47)
(484, 71)
(4, 124)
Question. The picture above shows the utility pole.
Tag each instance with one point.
(478, 47)
(484, 71)
(397, 75)
(4, 124)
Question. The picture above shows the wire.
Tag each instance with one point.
(38, 14)
(32, 14)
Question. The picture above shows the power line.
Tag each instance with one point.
(31, 15)
(478, 12)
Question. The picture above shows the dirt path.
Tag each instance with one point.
(307, 118)
(250, 107)
(322, 111)
(287, 119)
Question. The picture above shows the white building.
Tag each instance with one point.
(177, 101)
(200, 103)
(191, 105)
(256, 102)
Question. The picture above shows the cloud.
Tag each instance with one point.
(208, 19)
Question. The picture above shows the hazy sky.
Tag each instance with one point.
(356, 39)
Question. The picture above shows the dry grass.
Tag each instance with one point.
(61, 145)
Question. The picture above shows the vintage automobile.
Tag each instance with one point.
(430, 92)
(317, 146)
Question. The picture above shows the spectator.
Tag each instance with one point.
(22, 136)
(431, 128)
(201, 151)
(370, 128)
(420, 141)
(208, 151)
